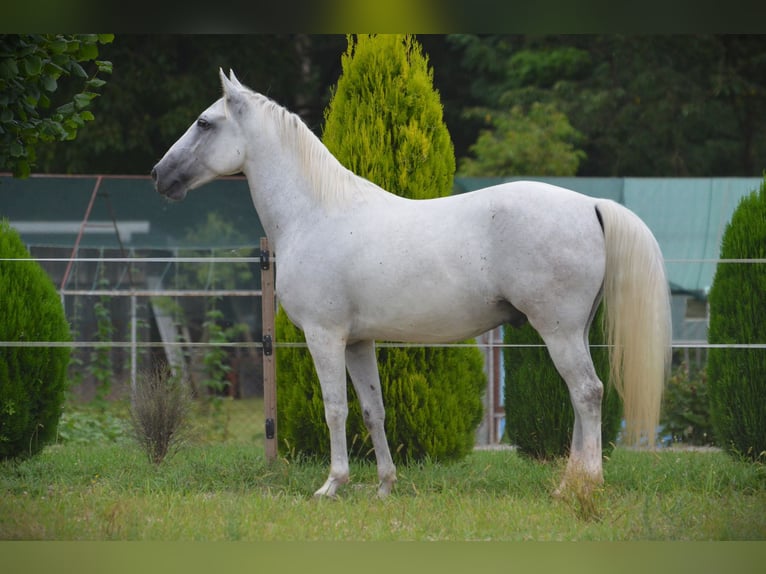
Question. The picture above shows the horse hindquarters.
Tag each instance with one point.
(638, 327)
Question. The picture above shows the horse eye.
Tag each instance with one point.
(203, 123)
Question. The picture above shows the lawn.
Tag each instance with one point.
(99, 485)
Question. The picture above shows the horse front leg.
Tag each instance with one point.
(363, 368)
(327, 351)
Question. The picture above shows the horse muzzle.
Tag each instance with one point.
(167, 185)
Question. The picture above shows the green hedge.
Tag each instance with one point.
(32, 379)
(737, 377)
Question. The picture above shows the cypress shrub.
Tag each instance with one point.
(539, 416)
(737, 377)
(32, 379)
(384, 122)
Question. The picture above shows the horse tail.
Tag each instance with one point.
(636, 319)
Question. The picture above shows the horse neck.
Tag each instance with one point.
(279, 196)
(293, 178)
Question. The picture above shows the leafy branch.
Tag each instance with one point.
(33, 68)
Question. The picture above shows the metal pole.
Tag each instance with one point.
(269, 360)
(83, 224)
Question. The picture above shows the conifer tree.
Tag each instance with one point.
(32, 378)
(385, 123)
(737, 376)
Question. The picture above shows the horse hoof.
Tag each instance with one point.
(330, 487)
(384, 489)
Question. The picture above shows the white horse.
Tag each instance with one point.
(357, 263)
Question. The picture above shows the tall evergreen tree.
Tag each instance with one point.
(385, 123)
(737, 377)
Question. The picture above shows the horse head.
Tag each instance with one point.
(213, 146)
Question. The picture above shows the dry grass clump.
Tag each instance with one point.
(159, 412)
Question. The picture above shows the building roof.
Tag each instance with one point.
(49, 211)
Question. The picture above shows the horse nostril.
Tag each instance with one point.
(154, 175)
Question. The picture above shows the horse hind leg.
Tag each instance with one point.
(571, 356)
(363, 367)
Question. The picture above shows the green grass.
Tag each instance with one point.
(218, 487)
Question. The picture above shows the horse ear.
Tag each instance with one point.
(232, 100)
(234, 79)
(226, 84)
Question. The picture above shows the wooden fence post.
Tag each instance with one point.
(269, 360)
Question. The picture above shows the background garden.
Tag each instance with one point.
(165, 462)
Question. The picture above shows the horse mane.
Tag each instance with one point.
(330, 181)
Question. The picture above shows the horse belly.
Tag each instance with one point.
(427, 300)
(428, 322)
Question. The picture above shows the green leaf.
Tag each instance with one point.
(77, 70)
(16, 149)
(106, 38)
(32, 97)
(61, 61)
(95, 83)
(104, 66)
(53, 69)
(49, 83)
(66, 109)
(8, 68)
(87, 52)
(57, 46)
(73, 46)
(33, 65)
(83, 100)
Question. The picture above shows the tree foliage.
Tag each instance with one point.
(385, 123)
(736, 376)
(645, 105)
(385, 98)
(32, 378)
(540, 141)
(674, 105)
(34, 108)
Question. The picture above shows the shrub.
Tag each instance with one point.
(737, 377)
(32, 379)
(685, 416)
(89, 424)
(539, 416)
(385, 123)
(159, 412)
